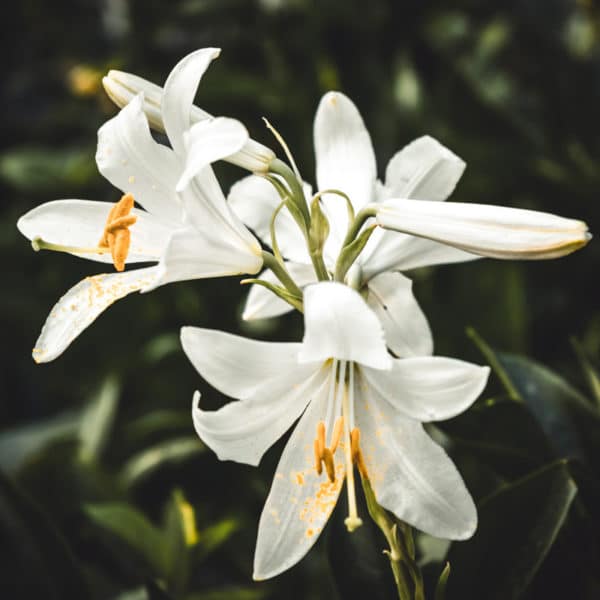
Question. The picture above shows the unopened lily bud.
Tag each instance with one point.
(122, 87)
(494, 231)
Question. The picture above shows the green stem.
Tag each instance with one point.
(319, 266)
(281, 273)
(493, 361)
(363, 215)
(407, 575)
(297, 193)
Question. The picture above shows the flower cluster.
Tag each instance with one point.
(363, 380)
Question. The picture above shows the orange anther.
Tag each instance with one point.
(329, 464)
(321, 436)
(357, 456)
(337, 434)
(318, 457)
(116, 234)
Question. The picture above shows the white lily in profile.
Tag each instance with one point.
(355, 404)
(417, 178)
(185, 224)
(345, 161)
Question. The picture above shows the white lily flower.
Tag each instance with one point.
(185, 224)
(343, 386)
(121, 87)
(345, 161)
(424, 171)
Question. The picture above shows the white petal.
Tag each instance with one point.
(495, 231)
(339, 324)
(423, 170)
(208, 212)
(235, 365)
(300, 500)
(411, 475)
(391, 250)
(179, 92)
(343, 149)
(80, 223)
(244, 430)
(429, 388)
(406, 328)
(191, 254)
(209, 141)
(81, 305)
(262, 303)
(254, 200)
(122, 87)
(132, 161)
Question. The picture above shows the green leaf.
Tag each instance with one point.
(133, 528)
(36, 560)
(97, 420)
(517, 527)
(211, 538)
(156, 423)
(566, 416)
(180, 536)
(32, 169)
(440, 590)
(166, 453)
(229, 593)
(503, 434)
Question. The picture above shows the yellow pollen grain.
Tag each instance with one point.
(299, 478)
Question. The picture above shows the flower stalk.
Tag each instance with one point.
(401, 553)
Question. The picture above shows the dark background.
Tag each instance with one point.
(511, 87)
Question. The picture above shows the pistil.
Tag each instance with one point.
(353, 521)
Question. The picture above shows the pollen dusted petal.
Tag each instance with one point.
(411, 475)
(82, 304)
(298, 506)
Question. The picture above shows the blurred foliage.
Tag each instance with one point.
(104, 433)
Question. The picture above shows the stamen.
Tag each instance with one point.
(38, 243)
(329, 464)
(353, 521)
(318, 455)
(321, 437)
(337, 434)
(323, 454)
(285, 147)
(116, 235)
(357, 456)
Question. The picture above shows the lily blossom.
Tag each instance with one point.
(184, 225)
(355, 404)
(418, 179)
(345, 161)
(122, 87)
